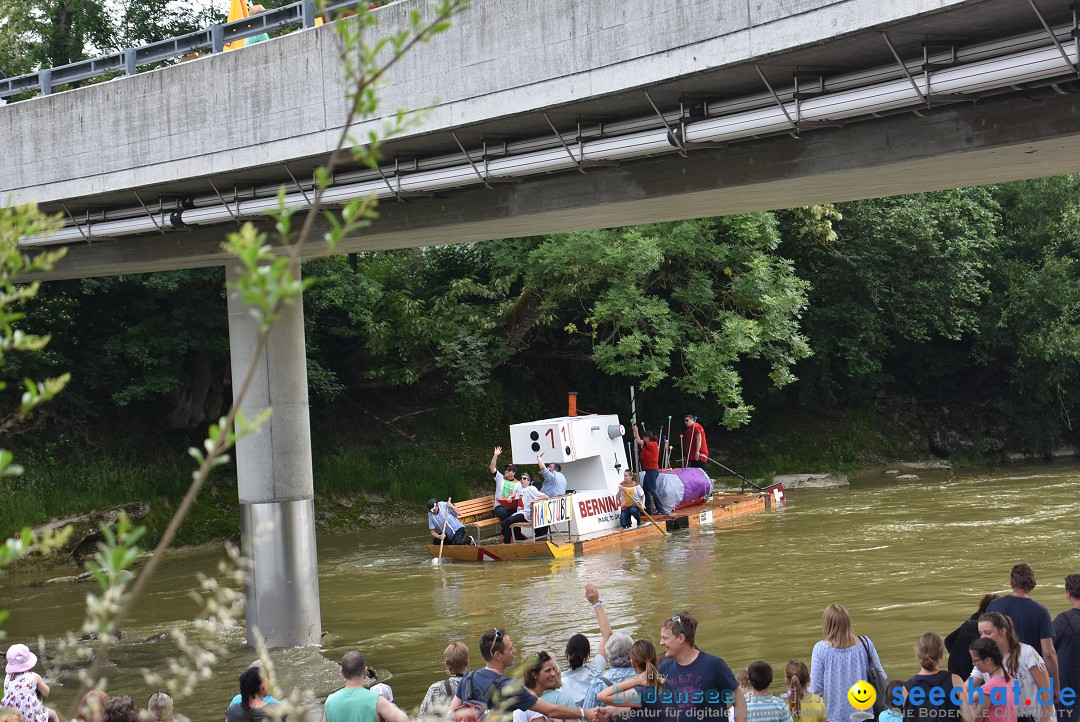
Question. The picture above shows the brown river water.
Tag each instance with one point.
(905, 557)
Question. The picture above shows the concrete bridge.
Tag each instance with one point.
(544, 117)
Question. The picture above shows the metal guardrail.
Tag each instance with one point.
(213, 38)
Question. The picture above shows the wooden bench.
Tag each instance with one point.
(478, 513)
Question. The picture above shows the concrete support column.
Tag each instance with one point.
(273, 470)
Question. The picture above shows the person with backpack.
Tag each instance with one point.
(439, 694)
(839, 660)
(930, 648)
(489, 688)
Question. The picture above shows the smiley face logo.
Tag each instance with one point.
(862, 695)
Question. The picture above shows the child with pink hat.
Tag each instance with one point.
(24, 690)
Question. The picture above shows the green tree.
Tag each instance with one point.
(392, 318)
(683, 303)
(686, 302)
(1032, 341)
(901, 283)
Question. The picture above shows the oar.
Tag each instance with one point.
(446, 518)
(735, 473)
(632, 502)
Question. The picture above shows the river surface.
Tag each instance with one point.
(905, 557)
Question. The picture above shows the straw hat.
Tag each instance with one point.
(19, 659)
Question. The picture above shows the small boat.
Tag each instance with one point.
(590, 451)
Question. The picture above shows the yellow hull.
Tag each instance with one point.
(504, 552)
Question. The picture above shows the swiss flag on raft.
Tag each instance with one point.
(238, 10)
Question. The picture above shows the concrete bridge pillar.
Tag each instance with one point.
(273, 470)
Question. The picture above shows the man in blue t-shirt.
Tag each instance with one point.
(704, 683)
(1031, 619)
(554, 480)
(444, 515)
(492, 689)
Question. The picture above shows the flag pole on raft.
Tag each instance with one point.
(682, 451)
(690, 444)
(660, 448)
(670, 446)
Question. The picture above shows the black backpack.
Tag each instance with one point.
(474, 707)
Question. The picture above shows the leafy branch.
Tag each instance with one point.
(269, 280)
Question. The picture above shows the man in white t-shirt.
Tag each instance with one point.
(506, 486)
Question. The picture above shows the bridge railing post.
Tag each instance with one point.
(308, 7)
(129, 62)
(45, 80)
(217, 38)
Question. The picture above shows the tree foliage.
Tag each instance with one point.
(1034, 322)
(687, 301)
(902, 274)
(50, 33)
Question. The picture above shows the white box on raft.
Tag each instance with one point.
(589, 448)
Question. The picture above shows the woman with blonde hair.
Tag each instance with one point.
(804, 706)
(7, 714)
(160, 706)
(929, 650)
(840, 660)
(648, 690)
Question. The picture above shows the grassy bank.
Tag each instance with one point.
(388, 474)
(799, 441)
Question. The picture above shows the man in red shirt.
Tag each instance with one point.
(650, 464)
(697, 450)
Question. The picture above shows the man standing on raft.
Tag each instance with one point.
(697, 450)
(650, 464)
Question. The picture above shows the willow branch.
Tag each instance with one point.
(224, 441)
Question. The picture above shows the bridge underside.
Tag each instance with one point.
(1012, 137)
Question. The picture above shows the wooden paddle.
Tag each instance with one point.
(632, 502)
(446, 518)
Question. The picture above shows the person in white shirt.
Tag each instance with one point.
(506, 486)
(528, 495)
